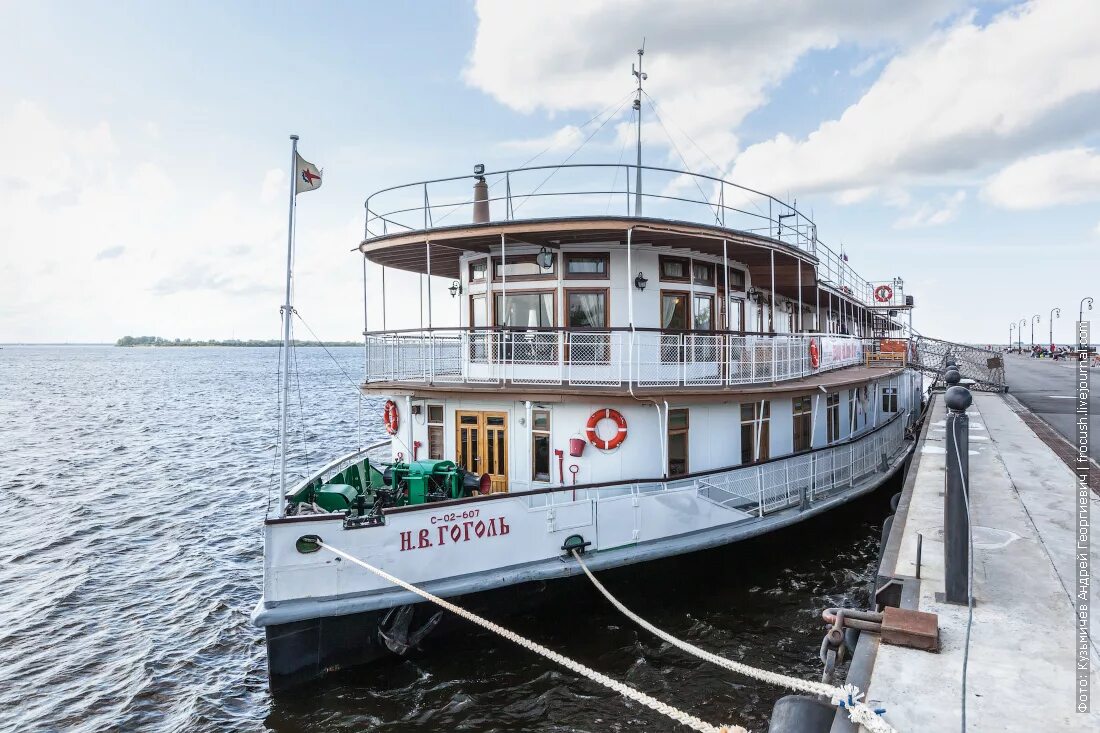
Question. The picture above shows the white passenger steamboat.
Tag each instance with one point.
(648, 362)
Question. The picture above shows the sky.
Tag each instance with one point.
(144, 185)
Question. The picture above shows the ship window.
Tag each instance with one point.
(674, 269)
(754, 415)
(832, 416)
(702, 273)
(737, 279)
(586, 266)
(477, 271)
(540, 445)
(674, 311)
(677, 442)
(889, 399)
(525, 310)
(435, 432)
(522, 267)
(803, 407)
(851, 411)
(586, 308)
(703, 313)
(736, 318)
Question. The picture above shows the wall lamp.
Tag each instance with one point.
(756, 295)
(640, 282)
(545, 258)
(456, 289)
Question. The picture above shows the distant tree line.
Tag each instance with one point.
(158, 341)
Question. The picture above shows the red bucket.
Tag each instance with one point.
(576, 447)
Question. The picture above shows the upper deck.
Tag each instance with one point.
(552, 205)
(552, 287)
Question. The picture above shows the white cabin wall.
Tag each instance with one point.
(714, 436)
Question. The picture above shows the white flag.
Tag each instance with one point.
(306, 175)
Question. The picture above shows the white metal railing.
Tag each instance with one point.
(766, 487)
(581, 189)
(602, 358)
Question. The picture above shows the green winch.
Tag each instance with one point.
(361, 490)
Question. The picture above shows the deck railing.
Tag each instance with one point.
(612, 358)
(603, 189)
(761, 489)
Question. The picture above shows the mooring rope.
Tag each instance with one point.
(625, 690)
(847, 697)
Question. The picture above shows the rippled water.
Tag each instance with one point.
(133, 485)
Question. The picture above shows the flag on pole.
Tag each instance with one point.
(307, 177)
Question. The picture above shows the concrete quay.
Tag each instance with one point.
(1023, 640)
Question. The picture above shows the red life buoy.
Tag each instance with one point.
(884, 293)
(389, 417)
(615, 440)
(815, 355)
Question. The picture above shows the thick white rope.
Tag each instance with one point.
(847, 697)
(626, 691)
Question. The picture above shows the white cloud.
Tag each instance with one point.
(93, 238)
(965, 98)
(930, 215)
(564, 138)
(1061, 177)
(274, 186)
(710, 64)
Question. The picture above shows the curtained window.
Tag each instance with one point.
(586, 309)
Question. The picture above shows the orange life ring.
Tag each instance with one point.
(884, 293)
(815, 354)
(389, 417)
(615, 440)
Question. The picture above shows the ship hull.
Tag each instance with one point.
(306, 649)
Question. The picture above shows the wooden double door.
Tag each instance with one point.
(482, 445)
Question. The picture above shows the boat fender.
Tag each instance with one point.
(390, 418)
(615, 440)
(801, 714)
(894, 501)
(815, 354)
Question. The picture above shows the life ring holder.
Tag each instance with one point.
(815, 354)
(884, 294)
(390, 417)
(615, 440)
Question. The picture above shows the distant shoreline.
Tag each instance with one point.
(157, 341)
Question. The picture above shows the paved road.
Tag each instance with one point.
(1048, 388)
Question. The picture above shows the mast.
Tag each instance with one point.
(640, 76)
(287, 311)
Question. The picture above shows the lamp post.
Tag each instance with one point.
(1020, 335)
(1054, 312)
(1011, 330)
(1081, 312)
(1034, 319)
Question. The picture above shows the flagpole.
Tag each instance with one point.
(287, 312)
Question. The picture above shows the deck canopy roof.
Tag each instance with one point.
(407, 250)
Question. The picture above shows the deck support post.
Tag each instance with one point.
(771, 309)
(799, 262)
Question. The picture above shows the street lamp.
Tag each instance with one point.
(1081, 312)
(1034, 319)
(1054, 312)
(1011, 330)
(1020, 335)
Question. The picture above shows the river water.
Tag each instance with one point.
(134, 483)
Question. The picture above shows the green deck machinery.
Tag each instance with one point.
(363, 491)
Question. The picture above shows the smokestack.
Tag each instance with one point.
(481, 196)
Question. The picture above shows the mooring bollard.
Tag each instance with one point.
(952, 376)
(956, 494)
